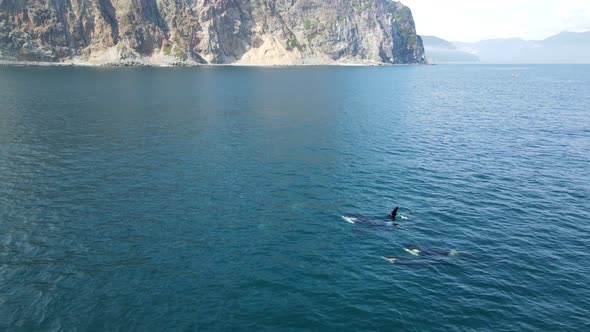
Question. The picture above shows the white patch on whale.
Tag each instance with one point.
(414, 252)
(390, 259)
(404, 217)
(351, 220)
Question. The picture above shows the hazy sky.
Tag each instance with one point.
(473, 20)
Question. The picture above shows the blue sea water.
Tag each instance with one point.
(191, 199)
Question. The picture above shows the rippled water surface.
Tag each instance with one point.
(211, 198)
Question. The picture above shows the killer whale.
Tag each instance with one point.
(388, 220)
(419, 251)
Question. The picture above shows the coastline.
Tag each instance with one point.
(10, 63)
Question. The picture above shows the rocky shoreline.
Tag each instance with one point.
(6, 63)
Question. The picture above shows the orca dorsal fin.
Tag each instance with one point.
(394, 213)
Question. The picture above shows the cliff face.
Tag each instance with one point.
(209, 31)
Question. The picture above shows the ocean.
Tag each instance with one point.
(217, 198)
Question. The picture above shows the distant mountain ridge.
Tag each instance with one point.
(439, 50)
(565, 47)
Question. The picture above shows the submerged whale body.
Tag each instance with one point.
(419, 251)
(368, 221)
(406, 261)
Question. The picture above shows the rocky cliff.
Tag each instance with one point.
(209, 31)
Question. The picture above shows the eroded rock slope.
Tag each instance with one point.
(209, 31)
